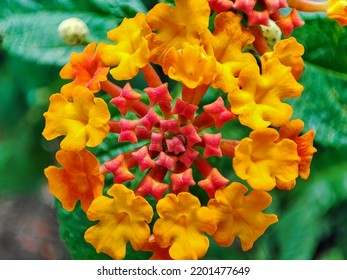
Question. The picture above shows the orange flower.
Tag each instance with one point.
(305, 148)
(182, 224)
(131, 51)
(289, 53)
(123, 218)
(239, 215)
(79, 179)
(337, 10)
(228, 40)
(261, 158)
(259, 100)
(86, 69)
(175, 25)
(189, 65)
(83, 121)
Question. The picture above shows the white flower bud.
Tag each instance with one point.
(73, 31)
(272, 34)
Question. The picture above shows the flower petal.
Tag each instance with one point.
(260, 159)
(259, 101)
(175, 25)
(79, 179)
(131, 51)
(123, 218)
(181, 226)
(239, 215)
(83, 121)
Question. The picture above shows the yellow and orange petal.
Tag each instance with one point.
(85, 69)
(121, 219)
(78, 179)
(261, 158)
(227, 41)
(258, 101)
(181, 226)
(289, 53)
(189, 65)
(337, 10)
(131, 51)
(241, 215)
(173, 26)
(83, 121)
(291, 130)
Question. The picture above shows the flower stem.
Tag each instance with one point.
(199, 94)
(260, 43)
(204, 121)
(151, 76)
(111, 88)
(308, 6)
(203, 166)
(228, 147)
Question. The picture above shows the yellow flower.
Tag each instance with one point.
(259, 100)
(181, 225)
(83, 121)
(131, 51)
(305, 149)
(239, 215)
(189, 65)
(337, 10)
(79, 179)
(289, 53)
(261, 158)
(123, 218)
(175, 25)
(228, 40)
(86, 69)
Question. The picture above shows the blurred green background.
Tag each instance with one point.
(313, 216)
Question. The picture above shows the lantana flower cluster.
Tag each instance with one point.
(199, 45)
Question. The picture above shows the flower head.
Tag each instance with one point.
(165, 143)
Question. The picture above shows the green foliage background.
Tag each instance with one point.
(313, 216)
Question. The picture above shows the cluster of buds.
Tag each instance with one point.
(172, 138)
(262, 12)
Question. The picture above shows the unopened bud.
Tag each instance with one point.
(272, 33)
(73, 31)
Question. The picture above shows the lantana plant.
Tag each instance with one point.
(207, 64)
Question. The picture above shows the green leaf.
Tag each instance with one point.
(9, 7)
(325, 43)
(72, 228)
(304, 223)
(322, 105)
(121, 8)
(35, 37)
